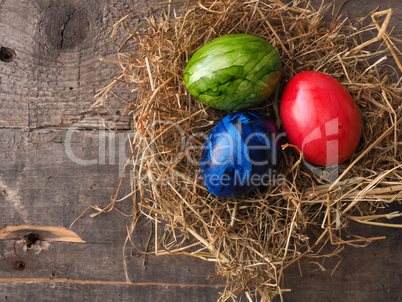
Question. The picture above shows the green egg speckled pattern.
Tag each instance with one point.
(233, 72)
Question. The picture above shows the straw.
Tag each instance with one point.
(253, 238)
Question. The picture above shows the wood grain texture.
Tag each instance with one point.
(372, 273)
(53, 80)
(50, 86)
(53, 190)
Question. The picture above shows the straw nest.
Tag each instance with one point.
(253, 238)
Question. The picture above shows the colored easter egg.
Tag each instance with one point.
(240, 154)
(321, 118)
(233, 72)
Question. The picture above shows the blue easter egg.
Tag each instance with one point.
(240, 154)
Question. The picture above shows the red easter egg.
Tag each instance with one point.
(321, 118)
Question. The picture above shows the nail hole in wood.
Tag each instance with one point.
(31, 239)
(20, 265)
(7, 54)
(71, 88)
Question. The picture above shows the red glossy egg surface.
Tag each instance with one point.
(321, 118)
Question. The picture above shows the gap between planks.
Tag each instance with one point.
(102, 282)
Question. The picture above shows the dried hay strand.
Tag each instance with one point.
(253, 238)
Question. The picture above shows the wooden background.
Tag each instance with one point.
(47, 90)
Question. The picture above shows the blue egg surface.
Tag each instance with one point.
(240, 154)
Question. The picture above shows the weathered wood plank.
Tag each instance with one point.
(53, 80)
(372, 273)
(41, 185)
(107, 293)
